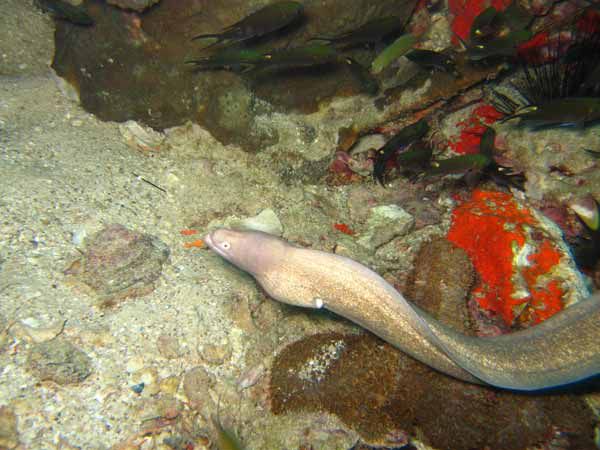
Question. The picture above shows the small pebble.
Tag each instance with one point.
(168, 346)
(196, 386)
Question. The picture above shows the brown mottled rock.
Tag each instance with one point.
(136, 5)
(196, 385)
(119, 263)
(60, 361)
(381, 393)
(9, 438)
(440, 282)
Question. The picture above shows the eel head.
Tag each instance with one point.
(252, 251)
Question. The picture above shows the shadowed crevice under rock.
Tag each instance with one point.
(131, 66)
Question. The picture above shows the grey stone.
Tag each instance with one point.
(384, 224)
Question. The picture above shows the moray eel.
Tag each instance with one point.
(561, 350)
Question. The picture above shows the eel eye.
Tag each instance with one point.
(226, 245)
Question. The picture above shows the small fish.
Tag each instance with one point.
(304, 56)
(364, 77)
(419, 154)
(483, 24)
(501, 47)
(65, 11)
(460, 164)
(229, 58)
(479, 166)
(430, 60)
(371, 32)
(491, 23)
(392, 52)
(226, 439)
(404, 137)
(266, 20)
(570, 111)
(486, 145)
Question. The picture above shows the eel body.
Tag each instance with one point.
(561, 350)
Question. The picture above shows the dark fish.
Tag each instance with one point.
(479, 166)
(371, 32)
(500, 47)
(251, 60)
(65, 11)
(491, 23)
(593, 153)
(404, 137)
(266, 20)
(229, 58)
(460, 164)
(418, 154)
(363, 76)
(486, 145)
(483, 24)
(515, 17)
(577, 111)
(305, 56)
(429, 59)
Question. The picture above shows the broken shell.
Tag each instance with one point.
(586, 209)
(140, 137)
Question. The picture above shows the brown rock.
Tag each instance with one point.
(119, 263)
(60, 361)
(9, 438)
(383, 394)
(440, 282)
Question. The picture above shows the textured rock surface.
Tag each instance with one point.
(60, 361)
(441, 282)
(119, 263)
(385, 395)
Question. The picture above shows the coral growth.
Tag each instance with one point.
(513, 256)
